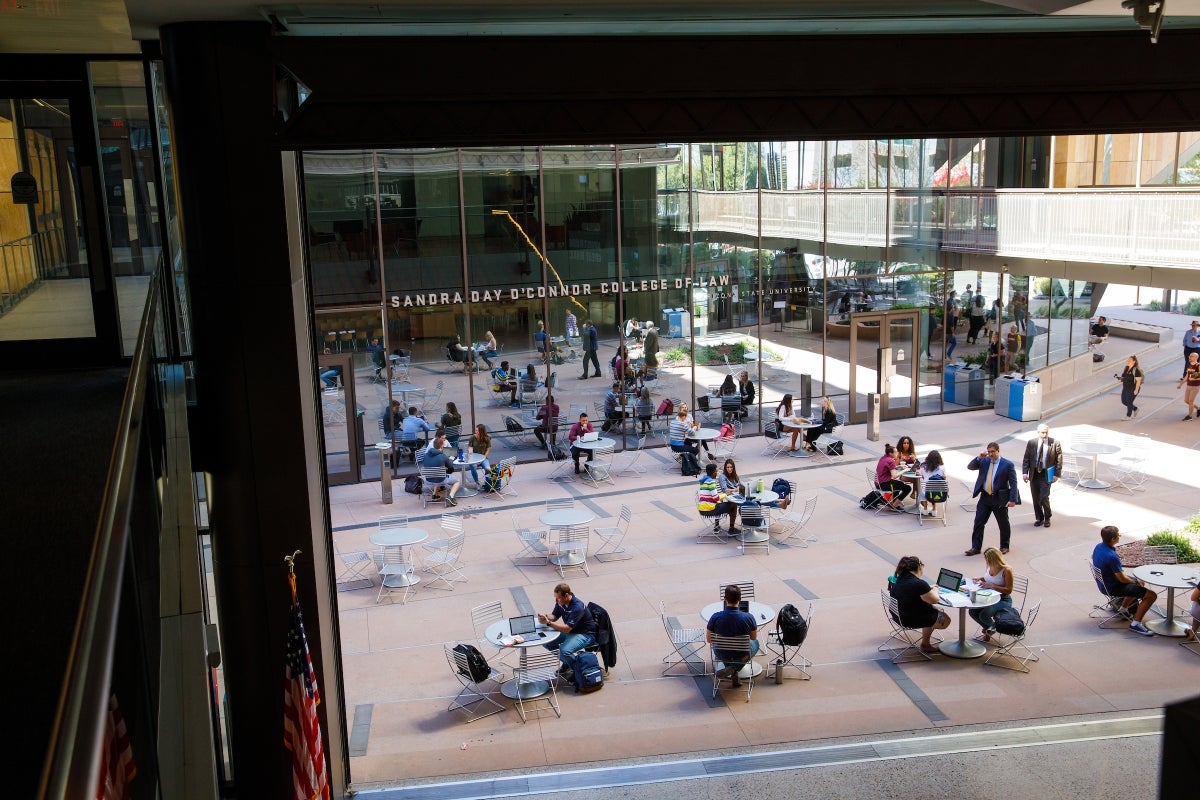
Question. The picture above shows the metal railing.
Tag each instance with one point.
(26, 261)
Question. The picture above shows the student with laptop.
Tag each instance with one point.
(572, 619)
(733, 619)
(916, 601)
(577, 433)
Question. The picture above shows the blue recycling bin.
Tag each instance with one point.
(949, 384)
(1019, 398)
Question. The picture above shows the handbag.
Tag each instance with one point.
(413, 484)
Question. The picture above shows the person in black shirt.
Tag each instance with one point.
(915, 600)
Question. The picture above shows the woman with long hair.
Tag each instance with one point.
(916, 601)
(786, 420)
(1131, 385)
(727, 479)
(931, 467)
(490, 348)
(887, 472)
(452, 419)
(828, 423)
(997, 576)
(481, 443)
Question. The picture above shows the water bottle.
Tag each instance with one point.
(460, 454)
(779, 670)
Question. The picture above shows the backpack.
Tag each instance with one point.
(492, 479)
(556, 452)
(726, 431)
(477, 665)
(873, 499)
(1006, 620)
(834, 449)
(665, 407)
(1097, 357)
(413, 484)
(791, 627)
(513, 426)
(689, 464)
(588, 675)
(781, 487)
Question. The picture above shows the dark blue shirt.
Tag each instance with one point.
(732, 622)
(575, 616)
(1105, 558)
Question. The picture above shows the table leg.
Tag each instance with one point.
(961, 648)
(1169, 626)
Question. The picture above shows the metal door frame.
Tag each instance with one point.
(885, 319)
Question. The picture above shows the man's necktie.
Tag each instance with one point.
(991, 469)
(1042, 456)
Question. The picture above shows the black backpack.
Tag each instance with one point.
(477, 665)
(1008, 621)
(873, 499)
(689, 464)
(555, 452)
(834, 449)
(790, 626)
(781, 487)
(413, 484)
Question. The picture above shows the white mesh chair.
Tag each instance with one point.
(755, 521)
(612, 539)
(1111, 610)
(712, 523)
(444, 563)
(822, 443)
(938, 487)
(564, 468)
(788, 655)
(688, 644)
(356, 569)
(1129, 473)
(735, 650)
(794, 521)
(538, 671)
(873, 482)
(777, 443)
(904, 643)
(535, 548)
(724, 447)
(570, 549)
(395, 566)
(477, 698)
(432, 478)
(1071, 474)
(502, 487)
(599, 469)
(627, 463)
(483, 616)
(746, 587)
(1013, 646)
(676, 458)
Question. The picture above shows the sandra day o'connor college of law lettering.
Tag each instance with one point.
(571, 290)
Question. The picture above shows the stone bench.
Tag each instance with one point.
(1141, 331)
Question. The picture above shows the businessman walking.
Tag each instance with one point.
(1041, 466)
(996, 490)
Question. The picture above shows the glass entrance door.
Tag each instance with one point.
(883, 357)
(340, 418)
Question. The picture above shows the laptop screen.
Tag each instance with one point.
(519, 626)
(744, 606)
(949, 580)
(589, 436)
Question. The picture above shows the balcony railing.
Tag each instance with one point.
(26, 261)
(1151, 227)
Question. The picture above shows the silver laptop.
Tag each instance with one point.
(520, 626)
(589, 436)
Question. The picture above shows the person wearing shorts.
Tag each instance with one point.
(1118, 584)
(1191, 377)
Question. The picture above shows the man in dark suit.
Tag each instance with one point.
(996, 488)
(1041, 466)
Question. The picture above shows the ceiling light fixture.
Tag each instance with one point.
(1148, 14)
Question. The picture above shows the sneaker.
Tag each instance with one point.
(724, 672)
(1185, 419)
(1125, 612)
(1138, 627)
(450, 501)
(1135, 410)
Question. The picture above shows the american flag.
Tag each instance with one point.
(117, 767)
(301, 726)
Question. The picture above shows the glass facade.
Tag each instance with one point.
(840, 268)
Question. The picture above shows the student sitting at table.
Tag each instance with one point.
(999, 578)
(644, 408)
(787, 421)
(435, 456)
(906, 457)
(490, 349)
(932, 467)
(729, 483)
(480, 443)
(548, 415)
(746, 390)
(887, 472)
(828, 423)
(614, 401)
(575, 434)
(711, 502)
(505, 380)
(732, 621)
(916, 601)
(680, 429)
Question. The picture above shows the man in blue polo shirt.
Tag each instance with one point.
(1118, 584)
(731, 621)
(572, 619)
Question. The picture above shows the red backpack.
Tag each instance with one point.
(665, 407)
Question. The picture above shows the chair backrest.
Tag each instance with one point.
(872, 480)
(938, 487)
(603, 455)
(1160, 554)
(753, 516)
(393, 521)
(731, 644)
(1098, 577)
(771, 430)
(574, 538)
(1021, 587)
(433, 474)
(452, 522)
(559, 503)
(1033, 612)
(810, 505)
(1082, 437)
(625, 518)
(484, 615)
(538, 664)
(747, 588)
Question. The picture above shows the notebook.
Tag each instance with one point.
(589, 436)
(519, 626)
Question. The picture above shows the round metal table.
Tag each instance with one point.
(559, 518)
(763, 497)
(399, 537)
(473, 460)
(497, 632)
(1095, 450)
(1169, 577)
(404, 389)
(962, 647)
(762, 613)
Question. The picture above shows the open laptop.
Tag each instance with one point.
(523, 625)
(948, 582)
(589, 436)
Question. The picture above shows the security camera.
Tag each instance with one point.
(1148, 14)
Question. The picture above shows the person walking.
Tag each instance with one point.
(1040, 468)
(591, 343)
(1131, 385)
(1191, 377)
(1191, 343)
(996, 490)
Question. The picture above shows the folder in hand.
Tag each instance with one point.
(1050, 474)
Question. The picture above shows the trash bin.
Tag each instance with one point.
(950, 382)
(968, 386)
(1019, 398)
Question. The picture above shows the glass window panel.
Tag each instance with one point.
(1116, 159)
(45, 291)
(1189, 158)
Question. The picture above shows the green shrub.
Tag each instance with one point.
(1192, 307)
(1154, 305)
(1184, 551)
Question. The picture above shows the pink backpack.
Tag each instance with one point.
(665, 407)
